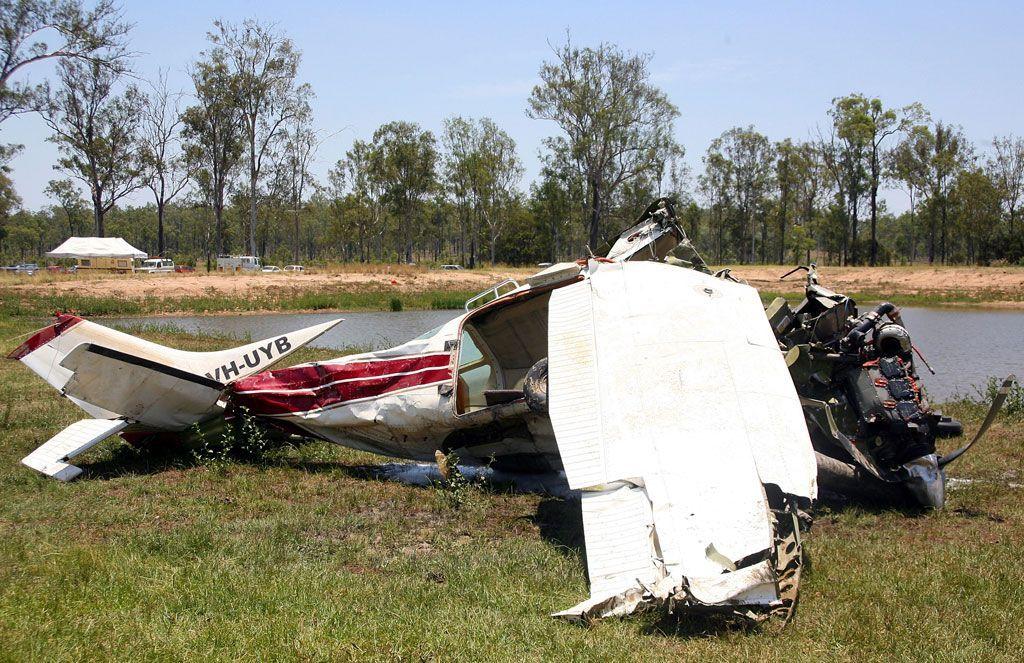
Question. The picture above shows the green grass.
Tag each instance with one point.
(303, 556)
(950, 298)
(42, 303)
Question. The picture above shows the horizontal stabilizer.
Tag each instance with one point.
(51, 458)
(147, 391)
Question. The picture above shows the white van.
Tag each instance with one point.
(238, 264)
(156, 266)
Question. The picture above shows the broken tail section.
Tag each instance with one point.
(122, 380)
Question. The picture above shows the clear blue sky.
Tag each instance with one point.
(772, 64)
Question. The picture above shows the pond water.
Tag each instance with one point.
(964, 346)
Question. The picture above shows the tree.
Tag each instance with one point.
(264, 66)
(745, 158)
(96, 132)
(617, 124)
(404, 162)
(865, 124)
(166, 171)
(552, 207)
(947, 152)
(69, 199)
(907, 165)
(212, 134)
(715, 183)
(300, 145)
(459, 171)
(976, 200)
(483, 170)
(1006, 169)
(96, 36)
(9, 202)
(356, 173)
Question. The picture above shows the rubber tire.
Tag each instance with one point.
(535, 387)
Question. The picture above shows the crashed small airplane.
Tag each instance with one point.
(660, 393)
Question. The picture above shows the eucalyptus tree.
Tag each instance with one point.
(715, 183)
(264, 66)
(404, 162)
(34, 31)
(946, 152)
(166, 170)
(69, 199)
(976, 201)
(213, 136)
(617, 125)
(459, 166)
(865, 124)
(356, 174)
(808, 177)
(96, 132)
(1006, 168)
(552, 208)
(301, 142)
(745, 160)
(483, 171)
(906, 165)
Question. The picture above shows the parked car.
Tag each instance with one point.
(294, 268)
(156, 266)
(451, 267)
(29, 268)
(272, 269)
(184, 269)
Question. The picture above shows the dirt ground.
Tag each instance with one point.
(176, 286)
(921, 280)
(998, 285)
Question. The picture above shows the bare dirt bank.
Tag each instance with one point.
(990, 286)
(999, 286)
(178, 286)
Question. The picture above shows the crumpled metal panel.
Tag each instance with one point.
(686, 409)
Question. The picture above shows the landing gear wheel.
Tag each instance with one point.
(535, 387)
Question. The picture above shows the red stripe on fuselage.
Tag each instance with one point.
(45, 335)
(316, 376)
(326, 395)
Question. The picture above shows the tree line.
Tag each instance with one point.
(227, 162)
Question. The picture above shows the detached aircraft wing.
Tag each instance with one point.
(676, 417)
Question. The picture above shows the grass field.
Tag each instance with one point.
(303, 556)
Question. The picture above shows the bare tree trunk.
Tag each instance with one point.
(160, 205)
(944, 220)
(595, 216)
(874, 205)
(218, 215)
(295, 253)
(252, 209)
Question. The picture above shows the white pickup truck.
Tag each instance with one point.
(156, 266)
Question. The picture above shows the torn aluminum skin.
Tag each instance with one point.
(675, 414)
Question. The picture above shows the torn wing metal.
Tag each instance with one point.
(674, 412)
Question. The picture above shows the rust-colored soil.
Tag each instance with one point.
(1000, 283)
(998, 286)
(176, 286)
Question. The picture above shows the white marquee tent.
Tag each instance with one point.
(96, 247)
